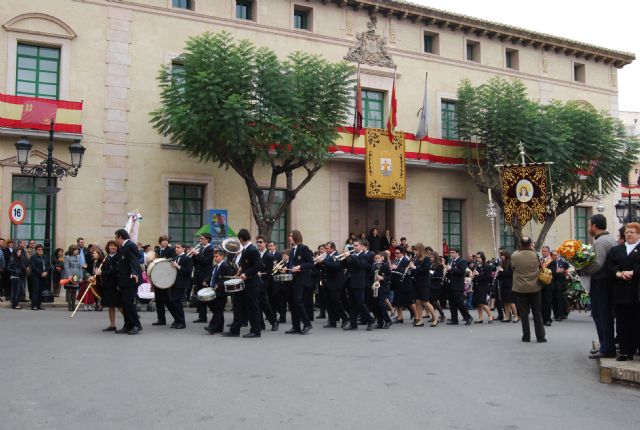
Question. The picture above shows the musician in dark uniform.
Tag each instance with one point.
(300, 263)
(163, 250)
(265, 306)
(129, 274)
(334, 284)
(174, 295)
(360, 272)
(222, 270)
(249, 267)
(401, 284)
(203, 265)
(455, 272)
(276, 297)
(382, 274)
(109, 282)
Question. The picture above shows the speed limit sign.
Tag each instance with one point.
(17, 212)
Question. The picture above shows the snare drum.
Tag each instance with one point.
(283, 277)
(233, 285)
(206, 294)
(162, 273)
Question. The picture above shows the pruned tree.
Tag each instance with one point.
(241, 107)
(583, 144)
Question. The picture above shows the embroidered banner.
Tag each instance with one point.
(524, 192)
(385, 164)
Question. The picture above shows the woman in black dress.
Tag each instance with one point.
(109, 282)
(17, 272)
(421, 267)
(482, 277)
(58, 268)
(437, 275)
(504, 275)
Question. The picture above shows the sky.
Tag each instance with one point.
(614, 24)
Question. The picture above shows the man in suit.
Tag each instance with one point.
(375, 244)
(129, 274)
(222, 270)
(559, 269)
(623, 265)
(163, 250)
(455, 272)
(173, 296)
(203, 264)
(276, 297)
(548, 291)
(360, 273)
(300, 263)
(334, 284)
(248, 307)
(39, 276)
(265, 306)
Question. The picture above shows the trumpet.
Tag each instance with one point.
(278, 267)
(196, 248)
(345, 255)
(319, 258)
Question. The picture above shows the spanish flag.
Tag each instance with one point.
(37, 114)
(392, 122)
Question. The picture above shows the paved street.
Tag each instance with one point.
(65, 374)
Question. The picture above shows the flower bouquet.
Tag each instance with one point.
(577, 297)
(580, 255)
(70, 280)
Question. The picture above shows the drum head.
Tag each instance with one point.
(161, 273)
(233, 282)
(206, 294)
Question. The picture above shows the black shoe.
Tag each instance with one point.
(398, 321)
(263, 327)
(282, 320)
(350, 327)
(469, 321)
(599, 355)
(330, 325)
(547, 323)
(159, 323)
(230, 334)
(251, 335)
(478, 322)
(624, 357)
(345, 324)
(179, 326)
(123, 330)
(199, 320)
(321, 316)
(543, 340)
(246, 324)
(450, 322)
(109, 329)
(506, 321)
(275, 325)
(371, 326)
(526, 339)
(557, 319)
(293, 331)
(208, 329)
(306, 329)
(386, 324)
(134, 330)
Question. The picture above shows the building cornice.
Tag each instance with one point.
(428, 16)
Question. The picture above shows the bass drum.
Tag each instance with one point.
(161, 273)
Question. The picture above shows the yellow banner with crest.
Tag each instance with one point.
(385, 164)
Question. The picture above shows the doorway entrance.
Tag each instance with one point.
(365, 214)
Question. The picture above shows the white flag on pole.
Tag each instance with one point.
(424, 116)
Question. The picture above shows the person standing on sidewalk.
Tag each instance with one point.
(527, 289)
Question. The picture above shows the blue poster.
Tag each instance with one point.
(218, 225)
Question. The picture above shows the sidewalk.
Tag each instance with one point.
(624, 372)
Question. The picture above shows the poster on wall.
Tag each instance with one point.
(218, 225)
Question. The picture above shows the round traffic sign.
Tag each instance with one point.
(17, 212)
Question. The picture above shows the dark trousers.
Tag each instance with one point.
(307, 299)
(602, 314)
(16, 288)
(560, 305)
(548, 296)
(628, 324)
(161, 300)
(128, 295)
(457, 303)
(217, 309)
(37, 284)
(247, 308)
(298, 310)
(173, 298)
(358, 307)
(323, 299)
(336, 305)
(265, 306)
(379, 308)
(526, 302)
(283, 291)
(202, 306)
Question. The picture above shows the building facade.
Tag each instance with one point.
(107, 53)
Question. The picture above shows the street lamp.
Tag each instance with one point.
(627, 212)
(49, 168)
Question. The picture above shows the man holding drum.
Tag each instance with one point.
(163, 250)
(203, 263)
(221, 270)
(183, 281)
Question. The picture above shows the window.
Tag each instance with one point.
(449, 120)
(581, 215)
(372, 106)
(177, 71)
(280, 232)
(431, 43)
(38, 71)
(452, 222)
(473, 51)
(182, 4)
(244, 10)
(507, 238)
(511, 59)
(302, 18)
(185, 211)
(578, 72)
(27, 190)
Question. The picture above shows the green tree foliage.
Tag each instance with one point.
(575, 137)
(240, 107)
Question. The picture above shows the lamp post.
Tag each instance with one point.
(49, 168)
(492, 214)
(628, 211)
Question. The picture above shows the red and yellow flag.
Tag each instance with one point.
(36, 113)
(392, 122)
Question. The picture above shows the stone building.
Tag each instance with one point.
(107, 53)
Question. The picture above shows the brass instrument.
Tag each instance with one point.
(232, 245)
(345, 255)
(319, 258)
(194, 249)
(409, 268)
(376, 284)
(278, 267)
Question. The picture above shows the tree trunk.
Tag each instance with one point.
(548, 223)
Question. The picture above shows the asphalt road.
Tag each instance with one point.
(66, 374)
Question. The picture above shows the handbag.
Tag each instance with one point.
(46, 296)
(545, 276)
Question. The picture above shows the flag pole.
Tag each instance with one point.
(426, 76)
(355, 113)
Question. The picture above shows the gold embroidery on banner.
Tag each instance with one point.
(524, 193)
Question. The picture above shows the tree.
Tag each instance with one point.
(583, 144)
(240, 107)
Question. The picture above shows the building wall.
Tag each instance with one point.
(115, 57)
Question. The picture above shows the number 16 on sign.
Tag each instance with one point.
(17, 212)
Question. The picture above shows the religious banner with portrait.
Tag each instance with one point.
(524, 192)
(386, 170)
